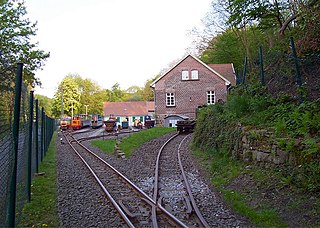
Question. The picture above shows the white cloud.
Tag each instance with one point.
(112, 41)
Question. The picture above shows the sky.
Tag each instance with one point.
(112, 41)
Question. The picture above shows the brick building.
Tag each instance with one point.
(188, 85)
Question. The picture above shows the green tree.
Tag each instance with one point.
(89, 96)
(91, 99)
(133, 93)
(99, 97)
(308, 18)
(148, 94)
(68, 97)
(16, 46)
(45, 102)
(227, 48)
(116, 94)
(217, 52)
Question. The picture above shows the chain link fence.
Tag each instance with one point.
(286, 74)
(23, 144)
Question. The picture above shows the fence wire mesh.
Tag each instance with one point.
(280, 74)
(22, 165)
(7, 151)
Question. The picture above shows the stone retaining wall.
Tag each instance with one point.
(261, 146)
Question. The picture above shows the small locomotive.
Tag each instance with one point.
(80, 121)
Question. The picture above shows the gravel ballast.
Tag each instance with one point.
(82, 204)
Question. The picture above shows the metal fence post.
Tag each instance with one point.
(15, 131)
(261, 67)
(42, 133)
(294, 53)
(30, 146)
(45, 134)
(244, 70)
(298, 74)
(37, 136)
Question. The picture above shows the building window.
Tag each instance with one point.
(194, 75)
(185, 75)
(170, 99)
(210, 97)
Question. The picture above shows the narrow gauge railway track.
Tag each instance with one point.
(132, 204)
(104, 135)
(171, 187)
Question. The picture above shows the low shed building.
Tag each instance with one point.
(129, 111)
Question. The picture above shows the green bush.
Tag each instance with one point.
(297, 127)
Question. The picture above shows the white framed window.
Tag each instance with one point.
(170, 101)
(185, 75)
(194, 75)
(210, 97)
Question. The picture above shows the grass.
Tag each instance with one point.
(130, 144)
(41, 211)
(264, 217)
(105, 145)
(223, 170)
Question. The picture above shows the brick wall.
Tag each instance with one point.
(189, 94)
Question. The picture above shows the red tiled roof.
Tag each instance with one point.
(226, 70)
(129, 108)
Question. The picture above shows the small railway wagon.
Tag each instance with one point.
(111, 125)
(96, 121)
(185, 126)
(149, 123)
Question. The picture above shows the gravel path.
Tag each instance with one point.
(81, 205)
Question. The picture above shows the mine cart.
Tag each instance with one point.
(185, 126)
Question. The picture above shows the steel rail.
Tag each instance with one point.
(193, 202)
(115, 204)
(101, 136)
(152, 202)
(187, 185)
(156, 183)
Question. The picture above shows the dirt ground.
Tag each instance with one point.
(295, 207)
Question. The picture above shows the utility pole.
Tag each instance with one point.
(72, 110)
(86, 111)
(62, 108)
